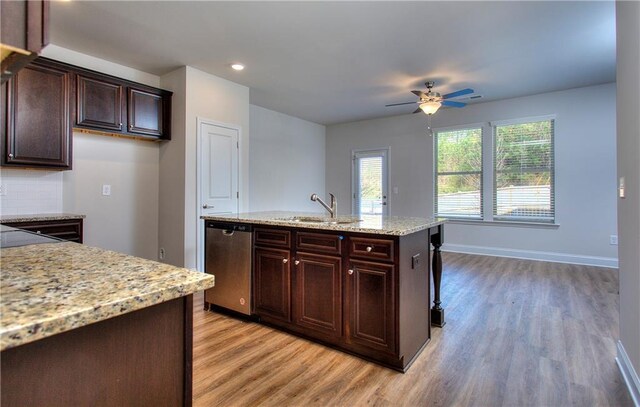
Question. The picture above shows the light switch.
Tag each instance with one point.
(621, 188)
(106, 190)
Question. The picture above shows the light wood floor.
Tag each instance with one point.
(518, 333)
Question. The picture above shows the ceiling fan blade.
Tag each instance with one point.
(400, 104)
(418, 110)
(451, 103)
(457, 93)
(419, 93)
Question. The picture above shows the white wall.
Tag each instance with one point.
(208, 97)
(585, 173)
(287, 162)
(126, 221)
(628, 77)
(171, 201)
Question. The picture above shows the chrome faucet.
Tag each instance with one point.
(333, 210)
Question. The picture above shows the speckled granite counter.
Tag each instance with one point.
(39, 217)
(47, 289)
(381, 225)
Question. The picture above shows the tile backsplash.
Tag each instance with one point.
(29, 191)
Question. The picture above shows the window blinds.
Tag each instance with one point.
(369, 194)
(458, 180)
(524, 172)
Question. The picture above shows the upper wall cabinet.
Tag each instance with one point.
(45, 101)
(24, 31)
(112, 105)
(99, 103)
(146, 112)
(37, 116)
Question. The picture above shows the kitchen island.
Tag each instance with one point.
(361, 285)
(85, 326)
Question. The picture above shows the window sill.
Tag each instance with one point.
(503, 223)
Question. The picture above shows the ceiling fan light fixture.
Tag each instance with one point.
(430, 107)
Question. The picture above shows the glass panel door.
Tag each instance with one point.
(370, 182)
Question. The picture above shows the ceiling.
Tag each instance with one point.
(333, 62)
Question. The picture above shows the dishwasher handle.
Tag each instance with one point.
(231, 227)
(227, 232)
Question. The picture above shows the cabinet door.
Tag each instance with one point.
(145, 112)
(318, 293)
(371, 305)
(272, 283)
(38, 124)
(99, 103)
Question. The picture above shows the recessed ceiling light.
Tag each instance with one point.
(237, 67)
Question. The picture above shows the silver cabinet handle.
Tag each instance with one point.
(10, 155)
(205, 206)
(297, 262)
(285, 261)
(350, 271)
(369, 248)
(38, 232)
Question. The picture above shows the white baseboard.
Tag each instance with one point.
(628, 373)
(532, 255)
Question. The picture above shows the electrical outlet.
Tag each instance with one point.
(162, 253)
(613, 240)
(415, 260)
(106, 190)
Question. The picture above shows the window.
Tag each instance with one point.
(458, 173)
(523, 171)
(370, 182)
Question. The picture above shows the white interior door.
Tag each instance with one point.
(218, 175)
(219, 169)
(370, 182)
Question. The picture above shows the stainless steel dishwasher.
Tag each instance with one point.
(228, 258)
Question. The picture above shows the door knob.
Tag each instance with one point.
(369, 248)
(350, 271)
(205, 206)
(285, 261)
(297, 262)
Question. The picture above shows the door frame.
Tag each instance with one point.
(386, 161)
(199, 164)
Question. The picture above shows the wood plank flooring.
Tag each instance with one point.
(518, 333)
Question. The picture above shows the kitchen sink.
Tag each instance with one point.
(320, 220)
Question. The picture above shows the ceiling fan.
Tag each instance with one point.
(431, 101)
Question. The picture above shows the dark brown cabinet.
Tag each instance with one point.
(145, 112)
(365, 294)
(99, 103)
(371, 305)
(107, 104)
(37, 120)
(39, 106)
(65, 229)
(272, 284)
(24, 31)
(318, 293)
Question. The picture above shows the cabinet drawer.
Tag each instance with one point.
(379, 249)
(64, 229)
(319, 242)
(272, 237)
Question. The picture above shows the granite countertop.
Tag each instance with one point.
(380, 225)
(51, 288)
(37, 217)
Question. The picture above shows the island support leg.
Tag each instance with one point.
(437, 312)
